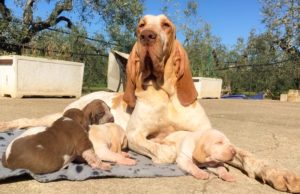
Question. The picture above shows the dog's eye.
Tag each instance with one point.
(101, 114)
(141, 25)
(166, 25)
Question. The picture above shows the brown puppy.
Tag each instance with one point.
(48, 149)
(109, 140)
(97, 112)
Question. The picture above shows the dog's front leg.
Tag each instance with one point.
(150, 115)
(159, 153)
(26, 122)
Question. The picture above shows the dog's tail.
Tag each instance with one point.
(278, 178)
(25, 122)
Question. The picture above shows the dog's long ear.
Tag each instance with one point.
(186, 90)
(199, 153)
(131, 74)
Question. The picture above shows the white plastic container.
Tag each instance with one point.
(208, 87)
(30, 76)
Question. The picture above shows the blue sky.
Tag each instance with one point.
(229, 19)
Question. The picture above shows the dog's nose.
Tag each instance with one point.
(148, 36)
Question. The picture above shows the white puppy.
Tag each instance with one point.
(208, 148)
(108, 141)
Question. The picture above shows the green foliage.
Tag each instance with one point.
(199, 45)
(269, 61)
(117, 18)
(282, 19)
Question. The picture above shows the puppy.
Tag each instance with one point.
(109, 140)
(208, 148)
(97, 112)
(48, 149)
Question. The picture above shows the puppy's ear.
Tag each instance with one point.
(94, 117)
(125, 142)
(131, 74)
(186, 90)
(115, 145)
(199, 153)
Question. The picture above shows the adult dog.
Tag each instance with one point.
(160, 89)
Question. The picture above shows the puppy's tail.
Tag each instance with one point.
(278, 178)
(25, 123)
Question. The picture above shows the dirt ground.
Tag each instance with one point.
(269, 129)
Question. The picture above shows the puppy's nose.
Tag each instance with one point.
(111, 120)
(232, 150)
(148, 36)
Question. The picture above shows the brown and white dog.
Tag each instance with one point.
(208, 148)
(160, 94)
(109, 140)
(48, 149)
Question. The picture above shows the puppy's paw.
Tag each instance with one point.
(100, 165)
(125, 154)
(94, 161)
(103, 166)
(200, 174)
(127, 161)
(227, 177)
(4, 126)
(224, 174)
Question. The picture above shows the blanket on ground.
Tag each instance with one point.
(144, 168)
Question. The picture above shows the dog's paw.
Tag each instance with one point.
(281, 179)
(165, 154)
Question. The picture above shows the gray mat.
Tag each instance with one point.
(78, 172)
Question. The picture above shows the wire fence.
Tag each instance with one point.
(237, 66)
(34, 48)
(276, 74)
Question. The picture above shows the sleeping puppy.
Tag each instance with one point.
(208, 148)
(48, 149)
(109, 140)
